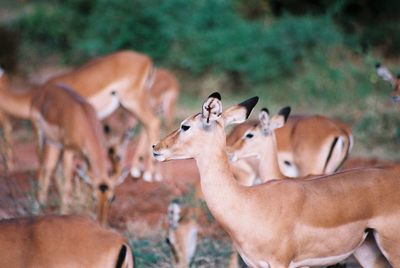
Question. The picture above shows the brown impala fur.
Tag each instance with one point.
(287, 223)
(61, 241)
(306, 145)
(260, 141)
(386, 75)
(65, 124)
(15, 105)
(119, 79)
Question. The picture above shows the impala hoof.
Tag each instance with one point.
(147, 176)
(135, 172)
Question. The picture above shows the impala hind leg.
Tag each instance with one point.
(389, 244)
(151, 125)
(369, 255)
(48, 163)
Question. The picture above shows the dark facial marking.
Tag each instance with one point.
(111, 151)
(106, 129)
(249, 135)
(184, 127)
(103, 187)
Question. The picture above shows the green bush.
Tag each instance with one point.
(197, 36)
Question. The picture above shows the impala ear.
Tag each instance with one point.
(239, 113)
(121, 178)
(285, 112)
(279, 120)
(263, 116)
(212, 108)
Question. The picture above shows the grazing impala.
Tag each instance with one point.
(61, 241)
(386, 75)
(119, 79)
(66, 123)
(287, 223)
(306, 145)
(15, 105)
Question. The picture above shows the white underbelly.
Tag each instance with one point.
(107, 100)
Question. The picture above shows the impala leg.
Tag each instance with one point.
(48, 163)
(369, 255)
(8, 141)
(169, 110)
(151, 125)
(140, 153)
(388, 243)
(66, 190)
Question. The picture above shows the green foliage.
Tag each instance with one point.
(197, 36)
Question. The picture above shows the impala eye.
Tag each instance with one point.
(249, 135)
(184, 127)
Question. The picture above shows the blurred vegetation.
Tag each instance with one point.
(317, 56)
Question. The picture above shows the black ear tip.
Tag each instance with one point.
(265, 110)
(398, 76)
(285, 111)
(378, 65)
(249, 104)
(215, 95)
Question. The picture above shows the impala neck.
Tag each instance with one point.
(96, 155)
(18, 105)
(221, 191)
(269, 167)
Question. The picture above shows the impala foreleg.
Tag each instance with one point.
(140, 153)
(8, 141)
(152, 127)
(48, 163)
(66, 190)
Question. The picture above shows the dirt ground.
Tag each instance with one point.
(139, 208)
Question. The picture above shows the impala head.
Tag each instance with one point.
(202, 131)
(182, 234)
(255, 140)
(386, 75)
(103, 190)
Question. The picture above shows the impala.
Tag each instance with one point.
(15, 105)
(119, 79)
(260, 141)
(61, 241)
(162, 97)
(287, 223)
(182, 233)
(66, 124)
(306, 145)
(386, 75)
